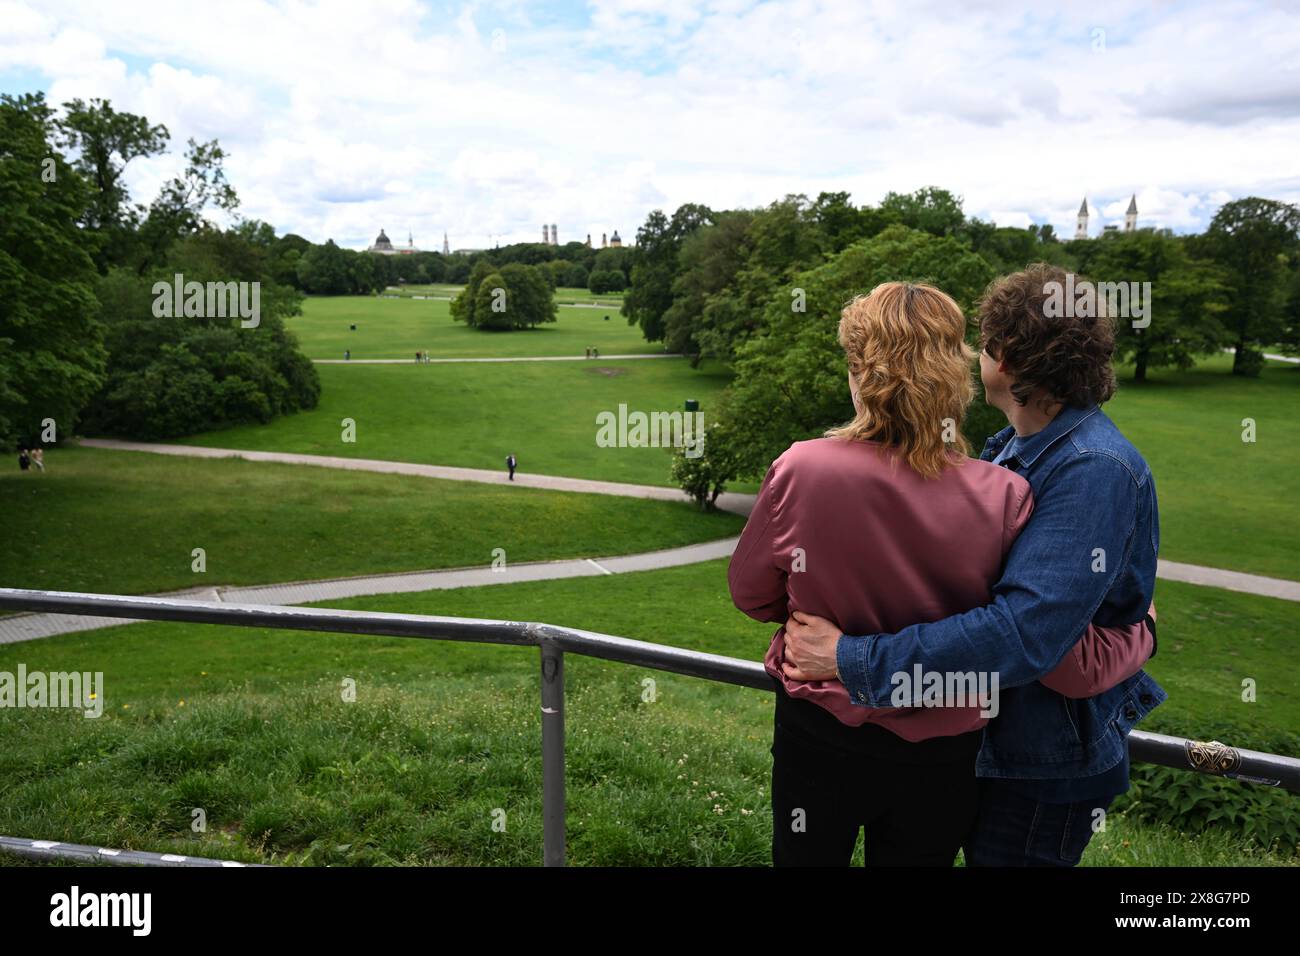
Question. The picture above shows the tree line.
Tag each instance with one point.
(81, 339)
(762, 289)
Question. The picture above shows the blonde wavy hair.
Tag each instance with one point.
(907, 353)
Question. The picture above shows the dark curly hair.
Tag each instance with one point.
(1068, 357)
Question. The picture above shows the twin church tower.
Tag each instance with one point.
(1130, 219)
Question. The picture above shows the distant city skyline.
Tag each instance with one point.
(486, 119)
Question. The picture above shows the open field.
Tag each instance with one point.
(475, 415)
(1224, 503)
(398, 328)
(249, 725)
(93, 523)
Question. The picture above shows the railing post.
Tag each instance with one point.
(553, 824)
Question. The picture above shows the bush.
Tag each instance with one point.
(606, 280)
(1197, 802)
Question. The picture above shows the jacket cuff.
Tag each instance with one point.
(851, 661)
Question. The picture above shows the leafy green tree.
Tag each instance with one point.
(654, 266)
(605, 280)
(1187, 298)
(325, 270)
(174, 375)
(103, 142)
(491, 300)
(704, 472)
(930, 209)
(790, 379)
(706, 317)
(464, 308)
(575, 277)
(51, 345)
(1253, 239)
(178, 210)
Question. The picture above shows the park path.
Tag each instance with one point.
(26, 627)
(501, 358)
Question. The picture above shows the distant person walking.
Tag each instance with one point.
(38, 458)
(347, 355)
(510, 463)
(24, 462)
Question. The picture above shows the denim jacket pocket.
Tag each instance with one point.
(1071, 709)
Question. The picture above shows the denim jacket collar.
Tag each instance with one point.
(1066, 420)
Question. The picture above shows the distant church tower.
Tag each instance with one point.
(1131, 217)
(446, 246)
(615, 242)
(555, 238)
(1081, 226)
(546, 235)
(603, 243)
(588, 240)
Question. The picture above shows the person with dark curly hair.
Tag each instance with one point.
(1049, 765)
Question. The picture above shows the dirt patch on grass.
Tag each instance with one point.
(607, 370)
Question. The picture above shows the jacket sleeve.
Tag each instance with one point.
(756, 580)
(1103, 658)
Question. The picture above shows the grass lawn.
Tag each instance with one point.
(1224, 503)
(125, 522)
(250, 726)
(474, 415)
(398, 328)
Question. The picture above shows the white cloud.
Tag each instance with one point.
(341, 117)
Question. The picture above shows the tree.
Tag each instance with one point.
(174, 375)
(464, 308)
(930, 209)
(52, 356)
(706, 318)
(104, 142)
(790, 379)
(325, 270)
(1187, 298)
(178, 210)
(605, 280)
(704, 472)
(654, 266)
(1252, 239)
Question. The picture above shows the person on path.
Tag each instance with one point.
(24, 462)
(38, 458)
(510, 463)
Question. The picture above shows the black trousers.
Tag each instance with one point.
(917, 802)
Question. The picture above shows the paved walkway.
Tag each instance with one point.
(503, 358)
(1269, 355)
(27, 627)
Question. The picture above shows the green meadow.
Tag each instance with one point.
(260, 523)
(396, 328)
(1224, 502)
(251, 726)
(473, 415)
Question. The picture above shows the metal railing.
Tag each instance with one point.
(554, 642)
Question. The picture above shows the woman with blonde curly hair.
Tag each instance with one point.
(879, 524)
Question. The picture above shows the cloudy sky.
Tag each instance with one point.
(488, 119)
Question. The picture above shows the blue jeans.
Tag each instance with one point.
(1012, 829)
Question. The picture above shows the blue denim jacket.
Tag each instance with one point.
(1087, 554)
